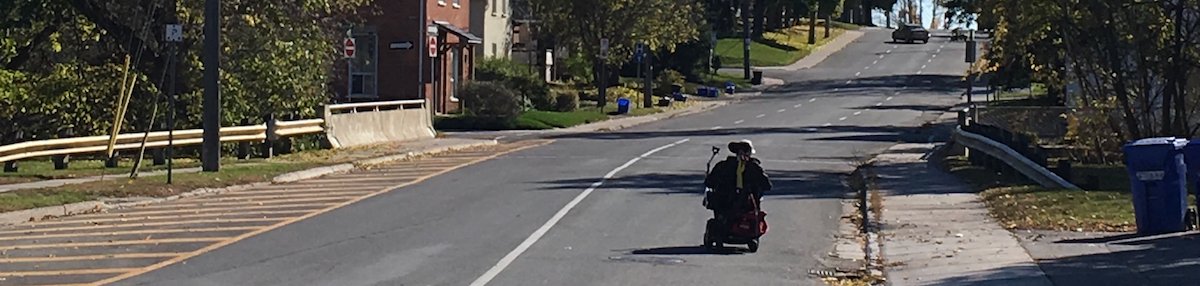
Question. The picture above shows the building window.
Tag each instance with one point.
(364, 67)
(494, 7)
(456, 4)
(493, 49)
(455, 73)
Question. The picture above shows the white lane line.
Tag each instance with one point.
(875, 62)
(919, 72)
(889, 98)
(715, 127)
(857, 112)
(889, 51)
(843, 118)
(739, 121)
(827, 124)
(881, 56)
(812, 99)
(781, 110)
(857, 73)
(837, 89)
(760, 116)
(929, 61)
(904, 87)
(867, 67)
(878, 104)
(923, 66)
(943, 46)
(533, 238)
(935, 55)
(895, 46)
(798, 105)
(849, 81)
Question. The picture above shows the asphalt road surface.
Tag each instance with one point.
(619, 208)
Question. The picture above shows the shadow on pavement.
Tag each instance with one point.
(786, 184)
(920, 134)
(933, 82)
(687, 250)
(1155, 261)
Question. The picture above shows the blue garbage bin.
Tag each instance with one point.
(622, 105)
(702, 91)
(1157, 177)
(1191, 157)
(729, 87)
(714, 92)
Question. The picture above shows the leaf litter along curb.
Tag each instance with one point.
(862, 181)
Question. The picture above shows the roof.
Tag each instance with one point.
(471, 38)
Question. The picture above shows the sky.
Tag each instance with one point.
(927, 14)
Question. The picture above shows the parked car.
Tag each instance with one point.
(911, 33)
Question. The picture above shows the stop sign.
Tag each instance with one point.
(433, 51)
(349, 49)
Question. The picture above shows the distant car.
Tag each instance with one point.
(911, 33)
(960, 34)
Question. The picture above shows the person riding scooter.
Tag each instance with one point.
(735, 178)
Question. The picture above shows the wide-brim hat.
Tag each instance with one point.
(740, 145)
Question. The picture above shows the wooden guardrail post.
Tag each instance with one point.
(268, 146)
(11, 166)
(243, 150)
(159, 154)
(285, 144)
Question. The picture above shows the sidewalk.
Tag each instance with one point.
(1081, 258)
(936, 232)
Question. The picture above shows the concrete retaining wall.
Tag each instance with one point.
(378, 126)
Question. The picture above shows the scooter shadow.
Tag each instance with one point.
(689, 250)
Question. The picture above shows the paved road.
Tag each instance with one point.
(618, 208)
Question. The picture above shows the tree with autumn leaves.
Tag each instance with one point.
(1134, 63)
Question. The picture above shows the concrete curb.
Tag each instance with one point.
(38, 214)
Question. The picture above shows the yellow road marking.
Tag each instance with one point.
(91, 257)
(67, 272)
(127, 232)
(250, 196)
(115, 242)
(141, 218)
(243, 202)
(293, 191)
(104, 226)
(294, 220)
(193, 210)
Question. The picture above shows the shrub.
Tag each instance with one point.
(490, 101)
(565, 100)
(666, 79)
(527, 84)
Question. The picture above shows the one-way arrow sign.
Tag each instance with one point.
(405, 45)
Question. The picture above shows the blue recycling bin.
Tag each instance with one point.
(714, 92)
(1157, 177)
(1191, 157)
(702, 91)
(622, 105)
(729, 86)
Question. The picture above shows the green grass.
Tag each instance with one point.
(779, 48)
(43, 168)
(1021, 204)
(560, 119)
(151, 186)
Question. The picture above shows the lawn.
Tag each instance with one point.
(151, 186)
(43, 168)
(1021, 204)
(778, 48)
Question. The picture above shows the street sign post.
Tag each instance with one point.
(639, 53)
(433, 50)
(603, 48)
(349, 47)
(404, 45)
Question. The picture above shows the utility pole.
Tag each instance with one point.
(746, 39)
(210, 153)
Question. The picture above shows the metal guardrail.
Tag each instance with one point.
(1027, 167)
(133, 141)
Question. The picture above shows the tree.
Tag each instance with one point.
(661, 24)
(831, 9)
(66, 60)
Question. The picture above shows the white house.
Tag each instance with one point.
(491, 20)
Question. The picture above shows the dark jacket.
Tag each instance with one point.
(723, 180)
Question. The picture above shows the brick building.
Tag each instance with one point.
(386, 67)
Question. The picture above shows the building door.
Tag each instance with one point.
(364, 66)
